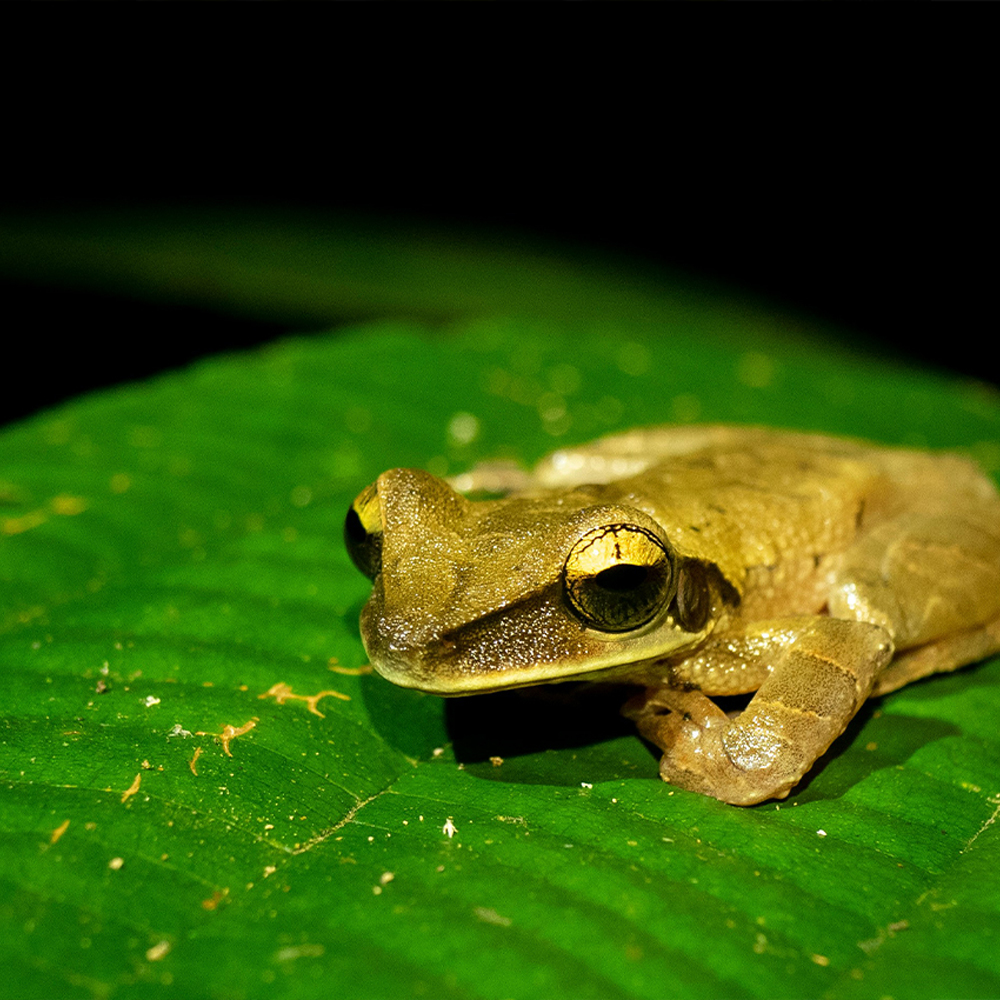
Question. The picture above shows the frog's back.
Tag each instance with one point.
(760, 501)
(784, 506)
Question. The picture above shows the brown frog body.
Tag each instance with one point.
(697, 562)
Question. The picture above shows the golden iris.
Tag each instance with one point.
(618, 577)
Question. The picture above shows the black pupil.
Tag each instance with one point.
(622, 578)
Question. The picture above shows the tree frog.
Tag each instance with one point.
(694, 562)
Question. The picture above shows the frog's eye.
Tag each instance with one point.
(618, 577)
(363, 532)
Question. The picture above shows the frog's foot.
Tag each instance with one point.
(816, 684)
(688, 727)
(692, 730)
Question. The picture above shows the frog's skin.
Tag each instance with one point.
(696, 562)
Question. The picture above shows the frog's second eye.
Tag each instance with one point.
(363, 532)
(618, 577)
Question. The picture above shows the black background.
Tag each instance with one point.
(891, 245)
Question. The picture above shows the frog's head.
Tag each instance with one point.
(474, 596)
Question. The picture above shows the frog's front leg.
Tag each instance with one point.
(818, 673)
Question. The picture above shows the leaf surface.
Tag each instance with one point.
(203, 796)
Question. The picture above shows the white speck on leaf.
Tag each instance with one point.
(463, 428)
(158, 951)
(490, 916)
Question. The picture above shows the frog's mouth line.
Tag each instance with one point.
(462, 684)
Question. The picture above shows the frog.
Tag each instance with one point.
(806, 571)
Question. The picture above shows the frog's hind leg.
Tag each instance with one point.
(932, 581)
(946, 654)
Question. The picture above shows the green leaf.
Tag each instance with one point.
(171, 565)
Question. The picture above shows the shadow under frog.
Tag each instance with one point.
(561, 734)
